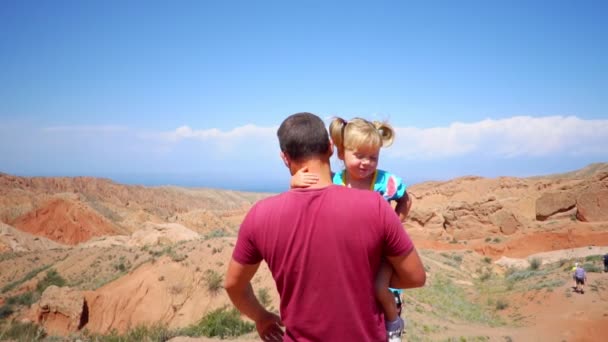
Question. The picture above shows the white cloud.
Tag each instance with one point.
(213, 134)
(520, 136)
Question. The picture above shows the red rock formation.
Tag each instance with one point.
(65, 221)
(61, 310)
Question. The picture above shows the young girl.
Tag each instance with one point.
(358, 142)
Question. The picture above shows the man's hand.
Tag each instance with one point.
(269, 327)
(303, 179)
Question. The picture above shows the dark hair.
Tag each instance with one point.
(303, 135)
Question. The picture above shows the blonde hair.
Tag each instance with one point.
(359, 132)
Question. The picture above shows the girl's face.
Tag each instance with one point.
(361, 163)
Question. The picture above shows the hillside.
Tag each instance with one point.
(497, 252)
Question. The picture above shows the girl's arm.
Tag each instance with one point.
(404, 204)
(303, 179)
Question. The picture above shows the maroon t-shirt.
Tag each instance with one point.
(324, 247)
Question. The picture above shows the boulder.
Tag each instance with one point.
(506, 222)
(592, 206)
(61, 310)
(552, 203)
(471, 220)
(426, 218)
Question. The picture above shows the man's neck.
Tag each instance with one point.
(321, 168)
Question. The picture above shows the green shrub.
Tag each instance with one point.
(487, 274)
(216, 233)
(501, 304)
(487, 260)
(535, 263)
(597, 257)
(6, 310)
(221, 323)
(51, 278)
(593, 268)
(22, 299)
(214, 281)
(18, 331)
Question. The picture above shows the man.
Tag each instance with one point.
(324, 245)
(580, 277)
(606, 262)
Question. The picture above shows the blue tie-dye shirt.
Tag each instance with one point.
(385, 183)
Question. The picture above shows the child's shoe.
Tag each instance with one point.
(394, 329)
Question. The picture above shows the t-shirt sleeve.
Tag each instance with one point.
(246, 251)
(395, 188)
(397, 242)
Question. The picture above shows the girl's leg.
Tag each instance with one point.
(383, 294)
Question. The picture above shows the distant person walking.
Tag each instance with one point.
(324, 246)
(580, 277)
(606, 262)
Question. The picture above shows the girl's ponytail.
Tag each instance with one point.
(336, 132)
(387, 133)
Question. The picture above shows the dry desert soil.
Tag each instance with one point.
(89, 259)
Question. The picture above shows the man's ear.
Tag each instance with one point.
(285, 159)
(331, 148)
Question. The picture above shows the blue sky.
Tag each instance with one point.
(191, 92)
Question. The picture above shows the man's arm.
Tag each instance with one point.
(238, 287)
(409, 271)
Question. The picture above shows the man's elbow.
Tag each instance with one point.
(229, 285)
(418, 279)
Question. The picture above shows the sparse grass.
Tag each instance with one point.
(216, 233)
(454, 260)
(221, 323)
(25, 278)
(17, 331)
(9, 255)
(214, 281)
(468, 339)
(548, 284)
(448, 300)
(26, 299)
(264, 297)
(516, 276)
(486, 275)
(153, 333)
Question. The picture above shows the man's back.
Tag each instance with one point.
(324, 248)
(579, 272)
